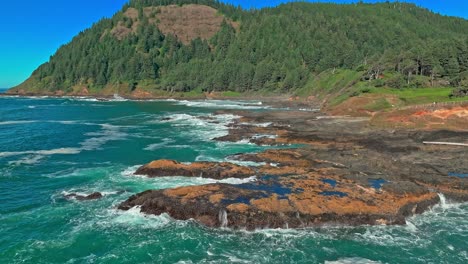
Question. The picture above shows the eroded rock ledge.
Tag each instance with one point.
(344, 172)
(273, 204)
(213, 170)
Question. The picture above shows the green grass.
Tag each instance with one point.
(378, 105)
(231, 94)
(339, 99)
(420, 95)
(192, 94)
(342, 84)
(328, 82)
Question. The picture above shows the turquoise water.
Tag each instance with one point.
(50, 147)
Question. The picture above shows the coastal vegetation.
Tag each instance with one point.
(332, 51)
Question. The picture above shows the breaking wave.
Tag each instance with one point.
(179, 181)
(35, 222)
(205, 127)
(224, 104)
(134, 217)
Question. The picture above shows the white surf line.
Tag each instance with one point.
(445, 143)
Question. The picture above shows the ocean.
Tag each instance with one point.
(50, 147)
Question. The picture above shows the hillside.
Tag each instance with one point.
(331, 51)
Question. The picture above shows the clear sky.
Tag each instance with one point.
(32, 30)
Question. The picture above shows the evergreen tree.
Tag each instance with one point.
(274, 49)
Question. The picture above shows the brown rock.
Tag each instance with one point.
(213, 170)
(344, 173)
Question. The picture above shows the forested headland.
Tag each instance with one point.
(195, 46)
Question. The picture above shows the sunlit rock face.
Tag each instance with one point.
(213, 170)
(342, 173)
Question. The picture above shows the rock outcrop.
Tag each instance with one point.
(343, 172)
(213, 170)
(284, 203)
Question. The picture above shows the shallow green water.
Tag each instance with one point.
(50, 147)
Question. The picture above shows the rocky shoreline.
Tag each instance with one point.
(334, 171)
(330, 170)
(274, 101)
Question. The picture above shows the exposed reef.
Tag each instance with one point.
(213, 170)
(338, 170)
(84, 197)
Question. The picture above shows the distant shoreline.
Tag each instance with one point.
(273, 101)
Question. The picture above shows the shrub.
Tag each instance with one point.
(459, 92)
(365, 90)
(420, 81)
(396, 81)
(361, 67)
(378, 83)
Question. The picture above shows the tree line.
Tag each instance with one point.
(275, 49)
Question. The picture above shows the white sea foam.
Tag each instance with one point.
(246, 163)
(237, 181)
(310, 109)
(66, 122)
(223, 104)
(21, 122)
(66, 193)
(223, 218)
(353, 260)
(411, 227)
(106, 134)
(114, 98)
(176, 117)
(159, 145)
(258, 124)
(5, 123)
(385, 236)
(414, 234)
(259, 136)
(206, 158)
(227, 144)
(105, 193)
(80, 193)
(242, 141)
(202, 127)
(130, 171)
(134, 217)
(62, 151)
(30, 160)
(85, 99)
(443, 201)
(118, 98)
(180, 120)
(179, 181)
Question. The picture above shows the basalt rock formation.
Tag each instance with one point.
(338, 170)
(213, 170)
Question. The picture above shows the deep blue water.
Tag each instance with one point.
(50, 147)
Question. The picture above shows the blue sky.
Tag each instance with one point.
(32, 30)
